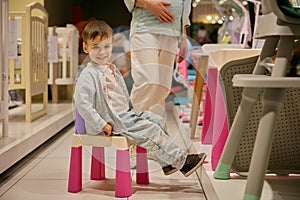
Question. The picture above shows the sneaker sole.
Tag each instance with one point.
(171, 172)
(196, 167)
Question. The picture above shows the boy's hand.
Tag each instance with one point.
(107, 129)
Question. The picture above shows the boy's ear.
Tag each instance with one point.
(85, 49)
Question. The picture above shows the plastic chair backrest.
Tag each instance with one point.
(79, 124)
(79, 121)
(287, 128)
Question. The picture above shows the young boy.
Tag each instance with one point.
(102, 100)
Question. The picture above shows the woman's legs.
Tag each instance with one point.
(152, 59)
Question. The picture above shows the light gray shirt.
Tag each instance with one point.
(118, 100)
(144, 21)
(92, 101)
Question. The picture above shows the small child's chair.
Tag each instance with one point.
(98, 142)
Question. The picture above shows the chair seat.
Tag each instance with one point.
(263, 81)
(118, 142)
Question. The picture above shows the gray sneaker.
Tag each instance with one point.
(192, 163)
(169, 169)
(15, 97)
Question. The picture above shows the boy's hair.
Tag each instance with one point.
(96, 28)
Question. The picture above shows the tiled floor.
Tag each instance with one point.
(44, 175)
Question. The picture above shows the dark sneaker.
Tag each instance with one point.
(169, 169)
(16, 97)
(193, 162)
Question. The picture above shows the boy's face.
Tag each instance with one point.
(99, 50)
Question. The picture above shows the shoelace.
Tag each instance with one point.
(192, 158)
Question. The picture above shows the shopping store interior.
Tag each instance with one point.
(235, 97)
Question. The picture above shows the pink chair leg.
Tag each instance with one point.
(75, 172)
(142, 175)
(98, 163)
(123, 177)
(220, 128)
(209, 106)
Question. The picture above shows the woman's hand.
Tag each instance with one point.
(107, 129)
(157, 8)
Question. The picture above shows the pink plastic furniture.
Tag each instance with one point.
(98, 142)
(182, 68)
(215, 126)
(209, 105)
(220, 127)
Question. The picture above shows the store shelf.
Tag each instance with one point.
(25, 137)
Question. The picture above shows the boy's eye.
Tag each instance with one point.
(107, 46)
(96, 47)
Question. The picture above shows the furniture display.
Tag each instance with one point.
(218, 124)
(29, 70)
(63, 70)
(261, 145)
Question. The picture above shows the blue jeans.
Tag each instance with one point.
(145, 129)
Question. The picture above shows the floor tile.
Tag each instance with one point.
(169, 189)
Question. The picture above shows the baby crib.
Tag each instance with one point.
(63, 71)
(29, 71)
